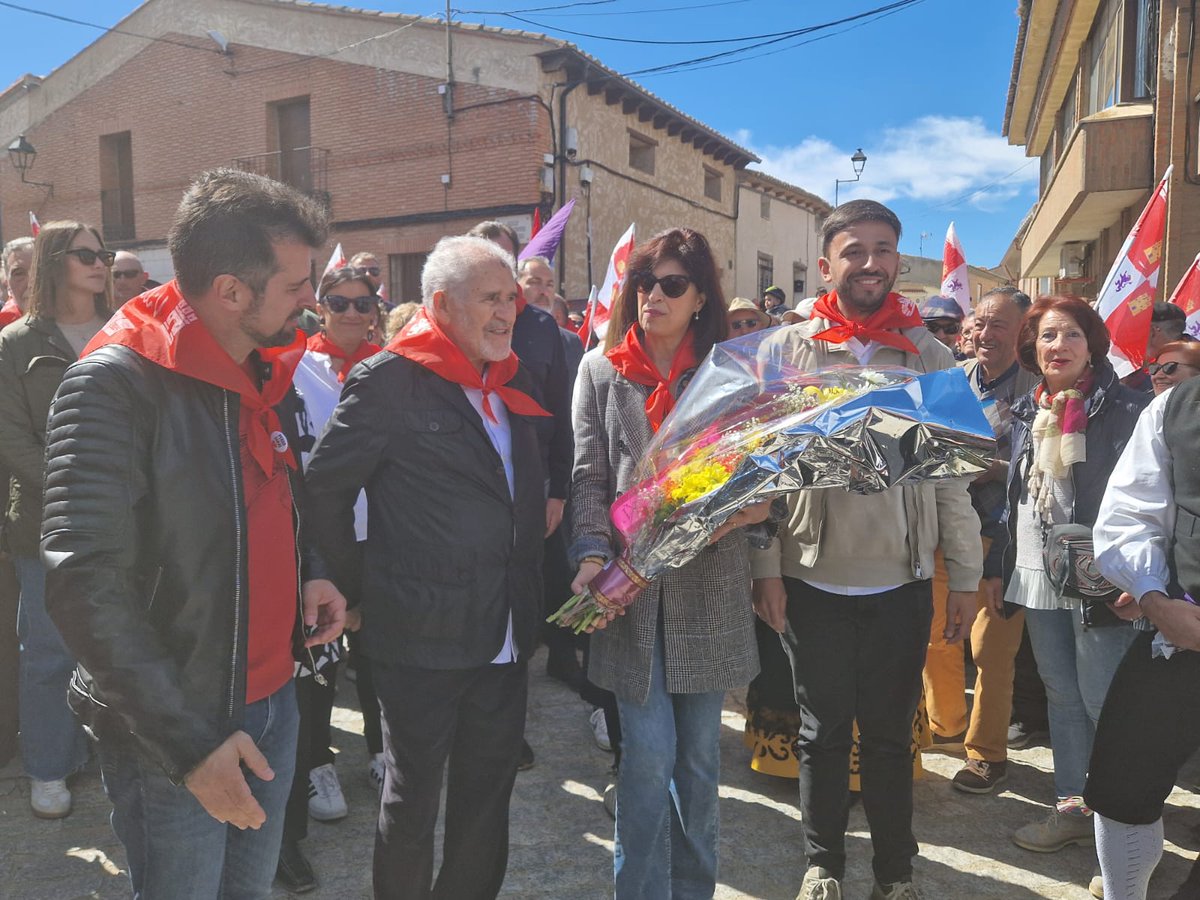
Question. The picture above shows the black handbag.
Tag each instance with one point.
(1070, 563)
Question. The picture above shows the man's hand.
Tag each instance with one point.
(220, 786)
(554, 514)
(324, 610)
(1124, 608)
(961, 609)
(992, 590)
(770, 602)
(751, 515)
(1178, 620)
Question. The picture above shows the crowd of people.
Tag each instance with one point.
(211, 479)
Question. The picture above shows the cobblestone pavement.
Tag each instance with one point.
(562, 839)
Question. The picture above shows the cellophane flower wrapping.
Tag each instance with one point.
(750, 428)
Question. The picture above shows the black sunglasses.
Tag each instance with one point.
(1167, 368)
(947, 328)
(339, 304)
(672, 285)
(88, 256)
(738, 324)
(126, 273)
(373, 271)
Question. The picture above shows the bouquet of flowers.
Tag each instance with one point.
(751, 427)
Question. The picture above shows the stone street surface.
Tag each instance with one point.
(562, 839)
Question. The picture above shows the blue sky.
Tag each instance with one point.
(920, 90)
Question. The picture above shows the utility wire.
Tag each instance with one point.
(308, 57)
(105, 28)
(492, 12)
(644, 11)
(987, 187)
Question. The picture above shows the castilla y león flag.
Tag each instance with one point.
(1126, 301)
(1187, 297)
(600, 308)
(954, 271)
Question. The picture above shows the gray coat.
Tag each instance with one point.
(707, 619)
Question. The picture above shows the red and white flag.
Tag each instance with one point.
(1187, 297)
(34, 225)
(954, 272)
(336, 261)
(600, 308)
(1126, 302)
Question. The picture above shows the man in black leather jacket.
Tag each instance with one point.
(171, 544)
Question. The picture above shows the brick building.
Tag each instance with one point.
(1105, 93)
(407, 129)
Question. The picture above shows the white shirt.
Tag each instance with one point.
(500, 434)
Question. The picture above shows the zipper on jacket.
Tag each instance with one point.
(237, 583)
(312, 663)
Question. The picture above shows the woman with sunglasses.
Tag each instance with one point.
(1177, 361)
(69, 299)
(690, 636)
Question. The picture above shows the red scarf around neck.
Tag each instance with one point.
(320, 343)
(632, 361)
(162, 327)
(883, 325)
(422, 341)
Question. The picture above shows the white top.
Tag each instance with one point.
(316, 382)
(500, 434)
(862, 352)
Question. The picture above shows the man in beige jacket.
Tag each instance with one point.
(847, 583)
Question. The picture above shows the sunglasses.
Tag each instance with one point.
(373, 271)
(337, 304)
(1167, 368)
(672, 285)
(739, 324)
(126, 273)
(947, 328)
(88, 257)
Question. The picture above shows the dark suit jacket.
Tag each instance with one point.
(449, 550)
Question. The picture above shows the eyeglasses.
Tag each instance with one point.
(88, 257)
(739, 324)
(338, 304)
(944, 327)
(373, 271)
(672, 285)
(1167, 368)
(126, 273)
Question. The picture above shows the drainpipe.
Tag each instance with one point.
(562, 170)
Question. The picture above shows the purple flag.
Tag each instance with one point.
(546, 241)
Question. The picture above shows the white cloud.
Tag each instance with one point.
(934, 159)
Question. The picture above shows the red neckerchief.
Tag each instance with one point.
(320, 343)
(630, 359)
(9, 313)
(162, 327)
(422, 341)
(883, 325)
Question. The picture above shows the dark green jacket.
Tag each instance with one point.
(33, 357)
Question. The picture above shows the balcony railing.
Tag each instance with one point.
(304, 168)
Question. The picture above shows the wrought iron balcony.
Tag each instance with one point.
(304, 168)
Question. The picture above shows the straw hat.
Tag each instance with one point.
(741, 305)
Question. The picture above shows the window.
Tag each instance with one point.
(1144, 77)
(293, 143)
(1103, 62)
(404, 277)
(1067, 116)
(799, 280)
(641, 153)
(712, 184)
(766, 273)
(116, 186)
(764, 205)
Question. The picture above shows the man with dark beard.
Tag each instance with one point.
(847, 582)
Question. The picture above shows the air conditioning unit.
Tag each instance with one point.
(1070, 260)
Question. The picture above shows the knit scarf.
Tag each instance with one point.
(161, 326)
(1059, 438)
(320, 343)
(883, 325)
(631, 360)
(422, 341)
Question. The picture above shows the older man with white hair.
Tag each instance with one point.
(440, 432)
(129, 276)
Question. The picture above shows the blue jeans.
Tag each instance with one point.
(1077, 664)
(53, 744)
(175, 848)
(666, 835)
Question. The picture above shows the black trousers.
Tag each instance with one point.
(1149, 726)
(364, 686)
(10, 661)
(315, 702)
(858, 658)
(472, 719)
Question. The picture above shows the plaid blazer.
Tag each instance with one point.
(704, 607)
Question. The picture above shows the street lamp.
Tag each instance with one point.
(22, 154)
(858, 160)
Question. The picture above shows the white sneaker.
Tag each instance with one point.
(376, 770)
(600, 730)
(49, 799)
(326, 803)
